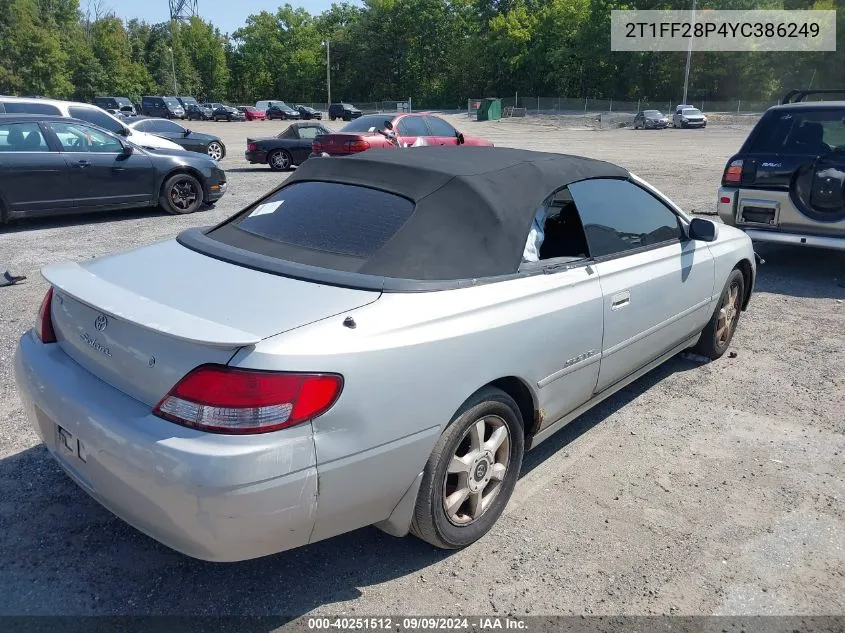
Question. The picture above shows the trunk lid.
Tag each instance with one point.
(337, 143)
(141, 320)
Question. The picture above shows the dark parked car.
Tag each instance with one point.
(53, 165)
(281, 110)
(121, 104)
(197, 112)
(222, 112)
(186, 101)
(786, 184)
(190, 140)
(164, 107)
(345, 111)
(308, 113)
(289, 148)
(650, 120)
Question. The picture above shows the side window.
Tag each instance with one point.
(556, 230)
(163, 127)
(30, 107)
(309, 132)
(81, 138)
(141, 126)
(22, 137)
(412, 126)
(95, 116)
(619, 216)
(439, 127)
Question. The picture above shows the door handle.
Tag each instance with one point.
(620, 300)
(82, 164)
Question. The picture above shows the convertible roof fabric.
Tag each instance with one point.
(473, 205)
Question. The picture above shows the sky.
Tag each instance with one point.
(226, 15)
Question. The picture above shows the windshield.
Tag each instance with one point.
(123, 101)
(653, 113)
(172, 102)
(691, 111)
(364, 123)
(281, 104)
(189, 101)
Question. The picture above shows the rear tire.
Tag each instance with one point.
(719, 331)
(279, 160)
(181, 194)
(471, 472)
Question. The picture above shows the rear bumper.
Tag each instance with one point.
(212, 497)
(255, 157)
(796, 239)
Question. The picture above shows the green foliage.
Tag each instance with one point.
(438, 52)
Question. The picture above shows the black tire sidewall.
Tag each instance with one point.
(496, 403)
(165, 194)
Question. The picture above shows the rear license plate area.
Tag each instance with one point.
(759, 212)
(69, 445)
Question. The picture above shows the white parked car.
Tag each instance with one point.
(84, 112)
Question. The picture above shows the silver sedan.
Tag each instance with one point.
(377, 341)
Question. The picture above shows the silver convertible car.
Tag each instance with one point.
(377, 341)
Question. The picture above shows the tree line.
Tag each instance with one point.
(439, 52)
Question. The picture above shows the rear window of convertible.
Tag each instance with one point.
(305, 219)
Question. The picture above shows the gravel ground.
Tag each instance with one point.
(700, 489)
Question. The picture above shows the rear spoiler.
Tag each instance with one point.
(796, 96)
(75, 281)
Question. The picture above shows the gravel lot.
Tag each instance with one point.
(699, 489)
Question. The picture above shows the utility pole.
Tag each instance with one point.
(173, 67)
(328, 77)
(689, 54)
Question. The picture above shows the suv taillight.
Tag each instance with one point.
(222, 399)
(44, 325)
(316, 147)
(733, 172)
(357, 145)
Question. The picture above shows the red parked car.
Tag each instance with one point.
(363, 133)
(252, 114)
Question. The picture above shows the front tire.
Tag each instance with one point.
(471, 472)
(279, 160)
(215, 151)
(181, 194)
(719, 331)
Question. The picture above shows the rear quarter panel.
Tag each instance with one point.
(409, 364)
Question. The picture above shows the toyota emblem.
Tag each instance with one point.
(101, 322)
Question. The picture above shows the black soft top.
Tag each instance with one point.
(473, 209)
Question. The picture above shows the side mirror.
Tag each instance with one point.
(128, 150)
(703, 230)
(125, 131)
(187, 132)
(388, 125)
(460, 136)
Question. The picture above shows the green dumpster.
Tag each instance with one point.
(489, 110)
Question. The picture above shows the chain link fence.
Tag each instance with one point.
(579, 106)
(367, 107)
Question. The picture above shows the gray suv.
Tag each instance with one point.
(787, 182)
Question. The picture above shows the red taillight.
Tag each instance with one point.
(251, 147)
(316, 147)
(725, 200)
(223, 399)
(733, 173)
(357, 145)
(44, 326)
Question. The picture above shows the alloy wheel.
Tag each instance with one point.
(476, 471)
(280, 160)
(215, 150)
(183, 194)
(728, 314)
